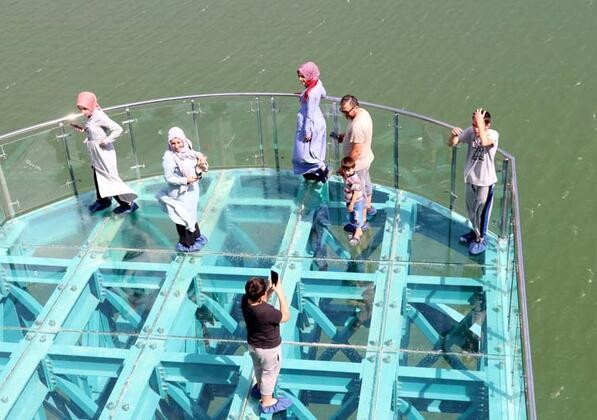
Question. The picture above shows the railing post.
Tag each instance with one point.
(275, 134)
(129, 122)
(260, 132)
(7, 206)
(195, 112)
(504, 202)
(396, 152)
(63, 136)
(453, 195)
(336, 128)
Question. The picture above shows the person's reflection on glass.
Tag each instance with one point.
(319, 228)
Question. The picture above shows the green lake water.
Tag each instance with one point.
(531, 63)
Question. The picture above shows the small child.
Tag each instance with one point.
(356, 201)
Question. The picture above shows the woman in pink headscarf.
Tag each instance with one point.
(101, 132)
(308, 157)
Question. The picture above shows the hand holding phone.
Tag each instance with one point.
(274, 277)
(77, 127)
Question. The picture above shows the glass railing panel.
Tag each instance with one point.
(228, 131)
(500, 214)
(146, 135)
(78, 158)
(126, 156)
(284, 111)
(424, 159)
(459, 201)
(34, 169)
(518, 324)
(279, 128)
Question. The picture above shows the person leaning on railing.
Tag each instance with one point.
(479, 176)
(265, 343)
(101, 132)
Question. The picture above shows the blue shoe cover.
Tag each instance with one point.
(97, 206)
(476, 248)
(467, 238)
(282, 404)
(201, 240)
(181, 248)
(349, 227)
(126, 209)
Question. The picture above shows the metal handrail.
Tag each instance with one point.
(522, 299)
(524, 324)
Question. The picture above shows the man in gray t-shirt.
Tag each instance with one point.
(479, 176)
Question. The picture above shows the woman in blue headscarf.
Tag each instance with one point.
(183, 168)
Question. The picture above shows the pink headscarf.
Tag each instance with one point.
(310, 70)
(311, 73)
(87, 100)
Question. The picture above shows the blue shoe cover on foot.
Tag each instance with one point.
(371, 211)
(467, 238)
(476, 248)
(181, 248)
(282, 404)
(201, 240)
(349, 227)
(126, 209)
(97, 206)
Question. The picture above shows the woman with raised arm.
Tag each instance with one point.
(265, 343)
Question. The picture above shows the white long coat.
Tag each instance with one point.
(180, 199)
(103, 158)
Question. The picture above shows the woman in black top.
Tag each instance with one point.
(263, 335)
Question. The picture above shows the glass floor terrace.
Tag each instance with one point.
(102, 319)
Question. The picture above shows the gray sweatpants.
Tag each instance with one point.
(478, 205)
(266, 363)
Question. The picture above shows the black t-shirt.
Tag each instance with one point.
(263, 324)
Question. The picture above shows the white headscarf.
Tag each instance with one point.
(186, 152)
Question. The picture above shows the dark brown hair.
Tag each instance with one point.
(255, 287)
(348, 163)
(349, 99)
(486, 117)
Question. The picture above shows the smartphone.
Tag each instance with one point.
(273, 275)
(77, 126)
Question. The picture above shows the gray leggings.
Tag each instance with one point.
(266, 363)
